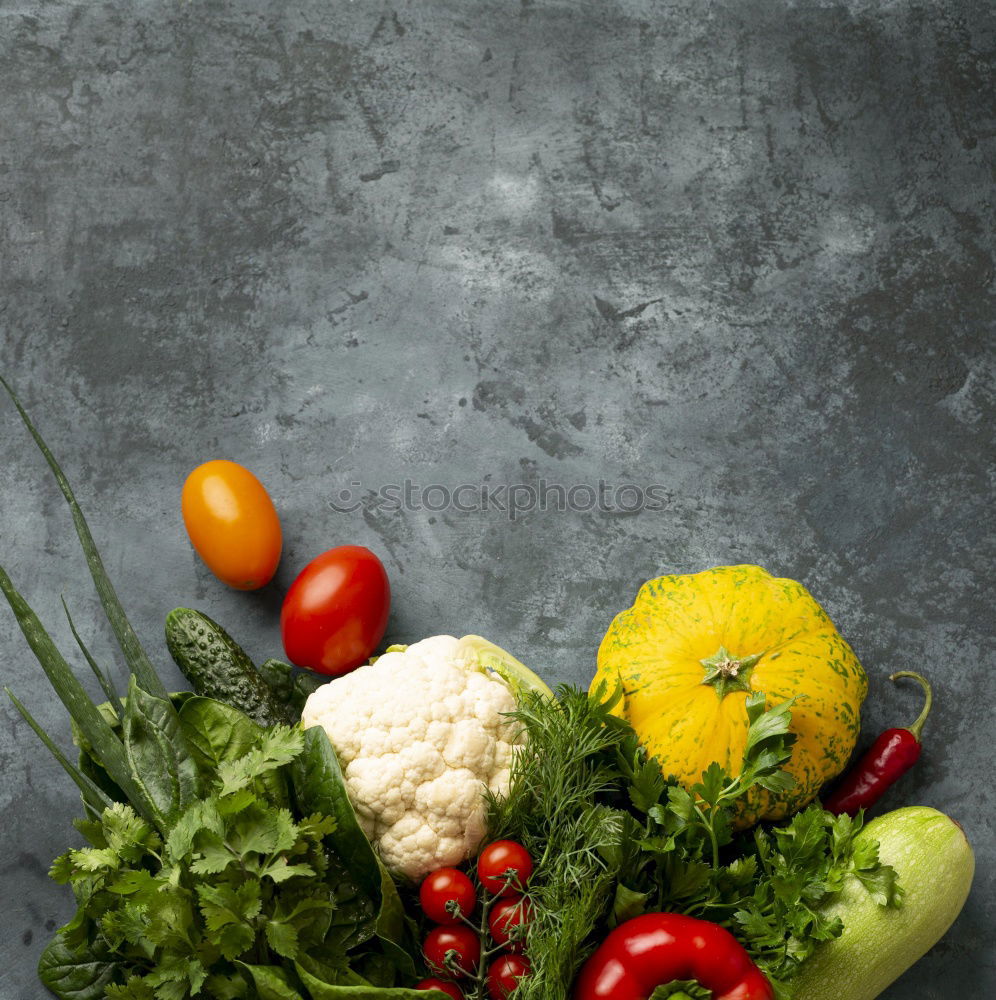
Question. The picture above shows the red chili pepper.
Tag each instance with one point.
(659, 948)
(889, 758)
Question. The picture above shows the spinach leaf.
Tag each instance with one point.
(158, 756)
(76, 975)
(393, 927)
(319, 787)
(272, 982)
(89, 763)
(215, 732)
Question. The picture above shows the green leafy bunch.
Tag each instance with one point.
(617, 838)
(237, 882)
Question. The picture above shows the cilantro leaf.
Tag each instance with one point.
(282, 938)
(134, 989)
(259, 831)
(278, 745)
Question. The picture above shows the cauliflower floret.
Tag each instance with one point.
(420, 735)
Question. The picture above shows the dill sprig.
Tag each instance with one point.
(557, 809)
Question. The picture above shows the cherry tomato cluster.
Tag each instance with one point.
(469, 954)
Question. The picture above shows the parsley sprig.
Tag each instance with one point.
(708, 805)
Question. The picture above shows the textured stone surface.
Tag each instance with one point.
(741, 250)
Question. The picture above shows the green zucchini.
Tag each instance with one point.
(218, 667)
(935, 865)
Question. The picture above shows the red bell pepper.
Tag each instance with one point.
(659, 948)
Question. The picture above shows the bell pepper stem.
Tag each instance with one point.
(917, 726)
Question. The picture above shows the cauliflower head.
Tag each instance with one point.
(420, 733)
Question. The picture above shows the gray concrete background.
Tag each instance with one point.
(741, 250)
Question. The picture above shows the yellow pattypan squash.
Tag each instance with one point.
(691, 648)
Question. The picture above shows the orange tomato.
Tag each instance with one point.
(232, 524)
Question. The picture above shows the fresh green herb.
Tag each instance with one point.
(236, 879)
(135, 656)
(769, 888)
(616, 838)
(557, 808)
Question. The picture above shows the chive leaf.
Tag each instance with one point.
(135, 655)
(102, 676)
(106, 746)
(93, 795)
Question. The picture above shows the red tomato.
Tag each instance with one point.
(504, 974)
(450, 989)
(506, 916)
(232, 524)
(443, 886)
(497, 860)
(335, 612)
(464, 944)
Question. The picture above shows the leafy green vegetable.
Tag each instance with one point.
(202, 877)
(290, 687)
(215, 732)
(135, 656)
(79, 974)
(237, 877)
(319, 787)
(158, 756)
(614, 837)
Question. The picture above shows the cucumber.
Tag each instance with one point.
(935, 865)
(218, 667)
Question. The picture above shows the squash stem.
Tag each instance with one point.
(917, 726)
(728, 673)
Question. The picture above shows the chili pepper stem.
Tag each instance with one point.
(917, 726)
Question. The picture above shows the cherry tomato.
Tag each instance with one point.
(461, 940)
(504, 974)
(442, 886)
(499, 858)
(505, 917)
(335, 612)
(450, 989)
(232, 524)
